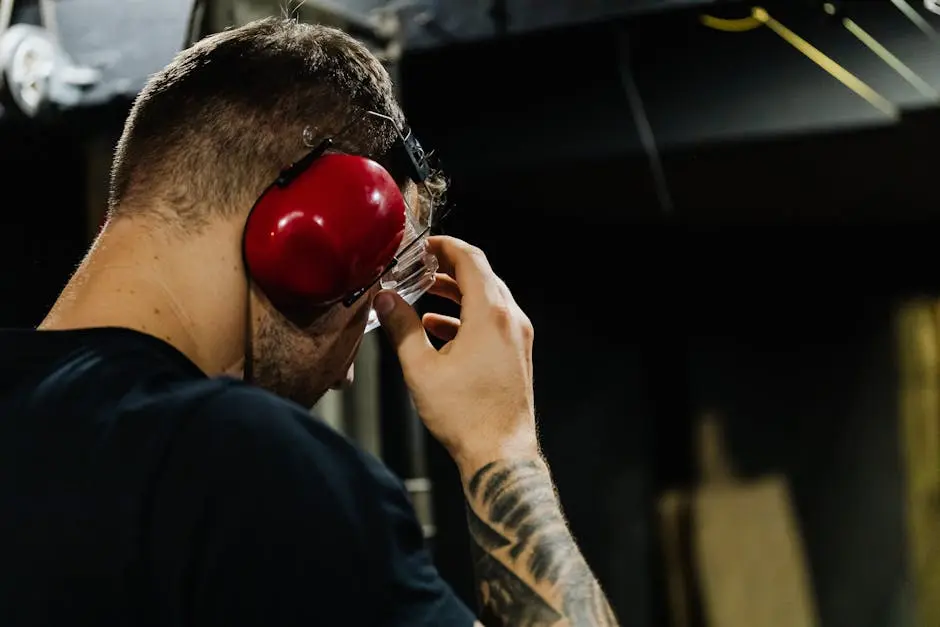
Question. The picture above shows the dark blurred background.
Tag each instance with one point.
(695, 220)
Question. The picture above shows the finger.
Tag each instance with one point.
(442, 327)
(403, 328)
(446, 287)
(479, 285)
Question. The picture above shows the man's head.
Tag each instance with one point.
(210, 133)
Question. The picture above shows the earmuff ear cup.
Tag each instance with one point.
(329, 232)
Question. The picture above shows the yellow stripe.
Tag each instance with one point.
(730, 26)
(895, 63)
(915, 17)
(827, 64)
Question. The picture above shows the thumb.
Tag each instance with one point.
(403, 328)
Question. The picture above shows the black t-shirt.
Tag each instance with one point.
(136, 491)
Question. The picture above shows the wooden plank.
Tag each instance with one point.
(742, 544)
(674, 511)
(749, 556)
(918, 335)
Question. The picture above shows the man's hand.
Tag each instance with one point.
(475, 394)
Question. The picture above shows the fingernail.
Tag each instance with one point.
(383, 303)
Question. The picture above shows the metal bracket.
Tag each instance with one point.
(369, 26)
(6, 14)
(420, 491)
(38, 72)
(48, 17)
(380, 28)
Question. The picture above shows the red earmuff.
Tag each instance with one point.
(330, 230)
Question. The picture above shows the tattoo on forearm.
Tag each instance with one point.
(529, 571)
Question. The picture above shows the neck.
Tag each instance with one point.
(182, 289)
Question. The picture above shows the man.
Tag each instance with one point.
(144, 482)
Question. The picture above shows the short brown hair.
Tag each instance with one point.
(210, 131)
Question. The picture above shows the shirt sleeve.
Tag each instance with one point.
(415, 594)
(287, 523)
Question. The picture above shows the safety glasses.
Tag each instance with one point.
(412, 271)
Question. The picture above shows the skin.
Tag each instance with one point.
(190, 290)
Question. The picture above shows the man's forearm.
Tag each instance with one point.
(529, 570)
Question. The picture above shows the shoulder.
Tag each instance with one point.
(284, 509)
(255, 451)
(266, 507)
(239, 413)
(266, 436)
(251, 465)
(277, 456)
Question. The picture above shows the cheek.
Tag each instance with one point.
(281, 345)
(324, 349)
